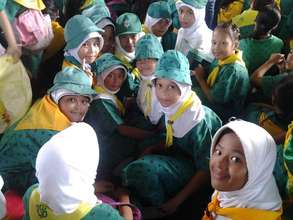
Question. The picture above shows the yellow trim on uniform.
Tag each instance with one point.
(269, 125)
(44, 114)
(39, 210)
(226, 14)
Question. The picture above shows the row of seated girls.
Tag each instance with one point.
(142, 113)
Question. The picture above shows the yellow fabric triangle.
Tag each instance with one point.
(118, 103)
(86, 4)
(239, 213)
(66, 63)
(247, 18)
(44, 114)
(269, 125)
(148, 98)
(134, 71)
(38, 210)
(145, 29)
(237, 57)
(32, 4)
(290, 175)
(182, 108)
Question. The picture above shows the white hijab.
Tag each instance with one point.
(190, 118)
(74, 52)
(2, 201)
(198, 36)
(260, 191)
(66, 169)
(150, 22)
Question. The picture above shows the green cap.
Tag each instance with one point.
(105, 62)
(73, 79)
(148, 47)
(174, 65)
(76, 30)
(199, 56)
(128, 23)
(195, 3)
(159, 9)
(97, 13)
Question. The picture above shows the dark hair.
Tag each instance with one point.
(232, 30)
(225, 3)
(266, 21)
(259, 5)
(225, 131)
(72, 8)
(283, 93)
(51, 9)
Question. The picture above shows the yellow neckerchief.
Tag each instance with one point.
(87, 3)
(66, 63)
(233, 9)
(118, 103)
(182, 108)
(278, 4)
(39, 210)
(247, 18)
(32, 4)
(269, 125)
(44, 114)
(235, 58)
(148, 97)
(239, 213)
(134, 71)
(290, 175)
(145, 29)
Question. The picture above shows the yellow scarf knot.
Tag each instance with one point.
(182, 108)
(235, 58)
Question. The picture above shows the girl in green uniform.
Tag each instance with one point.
(106, 115)
(177, 167)
(83, 43)
(226, 87)
(66, 102)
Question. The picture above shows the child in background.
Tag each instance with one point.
(231, 8)
(128, 32)
(166, 180)
(106, 115)
(243, 156)
(147, 54)
(258, 49)
(276, 117)
(226, 87)
(194, 33)
(66, 168)
(83, 43)
(66, 102)
(246, 20)
(100, 15)
(157, 22)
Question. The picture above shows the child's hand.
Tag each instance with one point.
(199, 73)
(15, 52)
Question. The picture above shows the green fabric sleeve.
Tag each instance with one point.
(26, 200)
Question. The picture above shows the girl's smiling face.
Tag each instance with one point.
(146, 67)
(222, 44)
(228, 164)
(167, 92)
(74, 107)
(89, 50)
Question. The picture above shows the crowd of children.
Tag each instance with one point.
(140, 109)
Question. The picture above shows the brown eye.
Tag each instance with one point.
(235, 159)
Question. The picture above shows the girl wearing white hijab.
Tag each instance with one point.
(66, 169)
(83, 42)
(194, 33)
(243, 157)
(166, 180)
